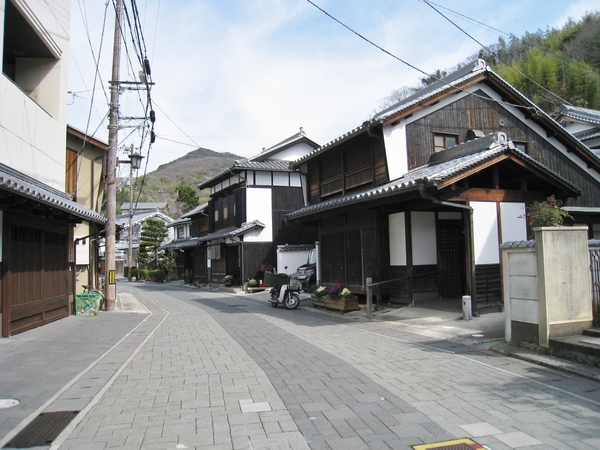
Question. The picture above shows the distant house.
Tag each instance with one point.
(424, 193)
(247, 204)
(190, 253)
(137, 217)
(38, 212)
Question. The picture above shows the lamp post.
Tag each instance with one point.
(135, 160)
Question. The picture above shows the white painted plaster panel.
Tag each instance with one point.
(523, 287)
(524, 311)
(295, 179)
(397, 239)
(262, 178)
(485, 233)
(514, 222)
(293, 153)
(281, 179)
(522, 263)
(424, 241)
(259, 207)
(394, 138)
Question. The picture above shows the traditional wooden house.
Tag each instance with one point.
(190, 253)
(247, 206)
(424, 193)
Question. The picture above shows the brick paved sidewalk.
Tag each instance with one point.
(215, 370)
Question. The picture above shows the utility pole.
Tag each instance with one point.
(111, 167)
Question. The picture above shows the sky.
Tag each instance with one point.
(242, 75)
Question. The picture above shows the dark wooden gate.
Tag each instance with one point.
(37, 283)
(595, 277)
(451, 263)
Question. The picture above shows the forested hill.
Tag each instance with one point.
(191, 169)
(551, 67)
(554, 66)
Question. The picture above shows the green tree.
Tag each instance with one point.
(153, 234)
(187, 196)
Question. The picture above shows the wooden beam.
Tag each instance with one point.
(495, 195)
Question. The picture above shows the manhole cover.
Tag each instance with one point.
(42, 430)
(457, 444)
(8, 402)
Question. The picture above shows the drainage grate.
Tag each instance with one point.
(458, 444)
(42, 430)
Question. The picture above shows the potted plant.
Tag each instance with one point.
(341, 298)
(228, 280)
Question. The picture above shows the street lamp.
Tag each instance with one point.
(135, 160)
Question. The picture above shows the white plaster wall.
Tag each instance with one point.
(292, 153)
(259, 207)
(397, 239)
(394, 138)
(33, 138)
(514, 222)
(424, 241)
(485, 231)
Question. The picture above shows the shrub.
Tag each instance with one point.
(546, 214)
(157, 276)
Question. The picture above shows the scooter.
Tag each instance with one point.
(286, 294)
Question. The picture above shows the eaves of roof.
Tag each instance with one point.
(455, 81)
(478, 152)
(581, 114)
(242, 165)
(22, 185)
(586, 135)
(232, 232)
(355, 132)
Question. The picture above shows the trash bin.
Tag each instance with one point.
(87, 304)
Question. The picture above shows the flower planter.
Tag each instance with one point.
(342, 303)
(318, 301)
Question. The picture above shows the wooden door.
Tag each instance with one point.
(451, 262)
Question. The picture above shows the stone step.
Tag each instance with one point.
(581, 348)
(592, 332)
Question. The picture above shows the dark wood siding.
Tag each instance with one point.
(488, 281)
(353, 247)
(37, 284)
(229, 210)
(477, 113)
(353, 165)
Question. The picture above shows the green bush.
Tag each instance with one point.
(140, 274)
(157, 276)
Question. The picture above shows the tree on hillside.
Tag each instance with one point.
(550, 67)
(187, 197)
(153, 234)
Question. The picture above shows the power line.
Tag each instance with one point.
(411, 65)
(490, 52)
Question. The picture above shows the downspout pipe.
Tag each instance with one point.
(437, 201)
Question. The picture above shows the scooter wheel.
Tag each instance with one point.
(292, 301)
(273, 304)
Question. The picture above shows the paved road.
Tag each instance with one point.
(219, 371)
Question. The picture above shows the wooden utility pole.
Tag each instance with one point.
(111, 167)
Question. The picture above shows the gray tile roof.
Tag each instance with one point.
(440, 169)
(244, 164)
(582, 114)
(232, 231)
(22, 185)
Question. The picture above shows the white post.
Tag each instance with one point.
(466, 307)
